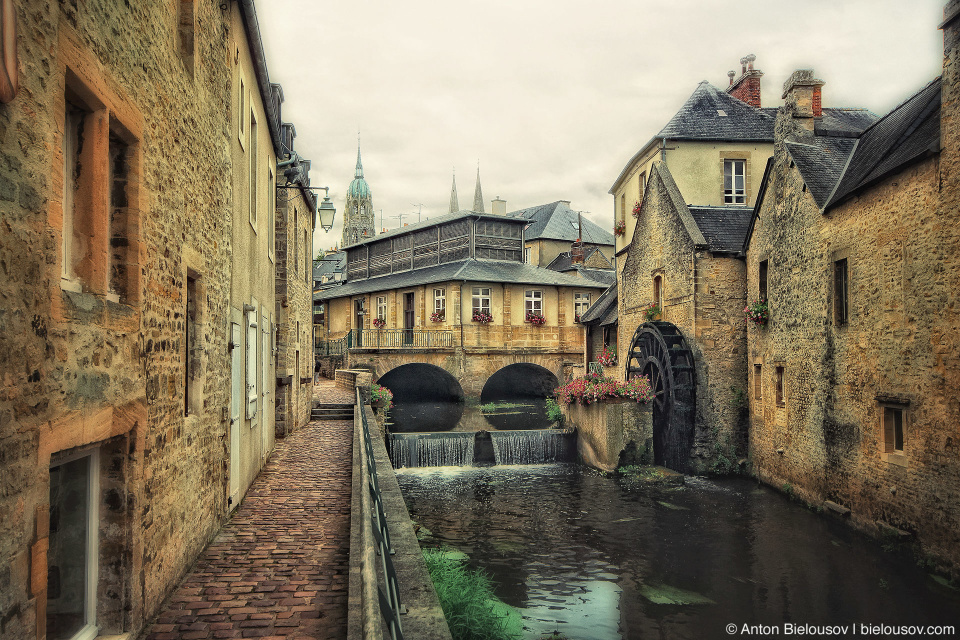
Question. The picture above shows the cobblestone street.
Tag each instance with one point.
(279, 568)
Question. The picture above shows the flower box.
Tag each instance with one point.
(651, 311)
(536, 319)
(636, 209)
(757, 312)
(438, 316)
(607, 358)
(620, 228)
(482, 317)
(378, 323)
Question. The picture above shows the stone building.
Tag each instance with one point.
(693, 188)
(855, 246)
(295, 224)
(412, 295)
(120, 256)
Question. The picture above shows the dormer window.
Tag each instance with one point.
(734, 182)
(721, 112)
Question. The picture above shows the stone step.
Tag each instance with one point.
(331, 411)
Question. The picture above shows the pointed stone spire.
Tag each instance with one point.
(454, 206)
(478, 194)
(359, 172)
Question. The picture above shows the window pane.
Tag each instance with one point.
(67, 581)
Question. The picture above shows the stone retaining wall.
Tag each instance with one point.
(611, 434)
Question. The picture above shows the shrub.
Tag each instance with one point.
(378, 393)
(757, 312)
(607, 358)
(651, 311)
(472, 611)
(554, 414)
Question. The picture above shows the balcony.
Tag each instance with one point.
(374, 339)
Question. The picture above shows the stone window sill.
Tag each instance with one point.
(897, 458)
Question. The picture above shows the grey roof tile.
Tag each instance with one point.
(447, 217)
(821, 163)
(601, 307)
(724, 228)
(910, 131)
(712, 114)
(463, 270)
(557, 221)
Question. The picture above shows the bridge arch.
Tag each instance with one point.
(426, 398)
(523, 379)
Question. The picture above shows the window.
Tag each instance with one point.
(185, 33)
(581, 302)
(72, 556)
(99, 198)
(840, 292)
(734, 182)
(440, 302)
(242, 112)
(253, 171)
(526, 255)
(191, 368)
(271, 215)
(779, 390)
(533, 302)
(762, 280)
(293, 236)
(306, 257)
(382, 308)
(481, 299)
(757, 382)
(641, 185)
(623, 206)
(892, 429)
(250, 363)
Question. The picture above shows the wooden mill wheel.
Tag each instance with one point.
(660, 352)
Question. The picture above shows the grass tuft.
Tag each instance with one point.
(472, 611)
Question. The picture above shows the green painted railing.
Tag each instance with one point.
(400, 339)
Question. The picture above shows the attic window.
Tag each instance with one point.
(574, 225)
(721, 112)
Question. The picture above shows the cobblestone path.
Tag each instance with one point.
(279, 568)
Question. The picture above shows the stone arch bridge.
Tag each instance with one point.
(472, 368)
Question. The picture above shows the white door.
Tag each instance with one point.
(236, 393)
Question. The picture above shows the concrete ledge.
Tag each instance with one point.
(424, 618)
(833, 507)
(612, 433)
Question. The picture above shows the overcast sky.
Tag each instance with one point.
(553, 97)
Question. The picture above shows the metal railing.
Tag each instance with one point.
(388, 595)
(400, 338)
(595, 367)
(330, 347)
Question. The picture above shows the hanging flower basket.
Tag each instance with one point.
(439, 316)
(607, 358)
(536, 319)
(651, 311)
(636, 209)
(757, 312)
(482, 317)
(379, 323)
(620, 228)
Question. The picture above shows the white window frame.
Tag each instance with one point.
(440, 301)
(90, 629)
(526, 255)
(731, 194)
(533, 302)
(382, 308)
(481, 299)
(251, 365)
(581, 302)
(242, 111)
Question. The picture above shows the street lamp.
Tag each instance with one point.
(326, 210)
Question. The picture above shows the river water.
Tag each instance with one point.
(600, 558)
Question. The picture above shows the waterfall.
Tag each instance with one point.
(531, 447)
(431, 449)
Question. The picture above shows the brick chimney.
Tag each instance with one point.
(747, 86)
(801, 95)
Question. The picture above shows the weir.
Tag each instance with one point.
(464, 449)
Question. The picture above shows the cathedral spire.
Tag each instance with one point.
(454, 206)
(478, 194)
(359, 172)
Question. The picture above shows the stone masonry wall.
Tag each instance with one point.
(87, 368)
(703, 295)
(826, 441)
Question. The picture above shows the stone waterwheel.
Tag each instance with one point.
(660, 352)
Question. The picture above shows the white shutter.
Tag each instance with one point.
(236, 393)
(251, 365)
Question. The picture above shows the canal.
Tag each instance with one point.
(600, 558)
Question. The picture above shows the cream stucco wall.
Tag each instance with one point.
(697, 168)
(253, 269)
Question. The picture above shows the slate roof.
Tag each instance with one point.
(724, 228)
(557, 221)
(563, 261)
(821, 163)
(603, 276)
(447, 217)
(464, 270)
(712, 114)
(910, 131)
(604, 310)
(331, 263)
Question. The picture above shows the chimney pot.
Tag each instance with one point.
(731, 74)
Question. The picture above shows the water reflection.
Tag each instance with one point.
(601, 558)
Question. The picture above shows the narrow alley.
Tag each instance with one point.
(279, 568)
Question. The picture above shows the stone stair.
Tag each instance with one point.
(331, 411)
